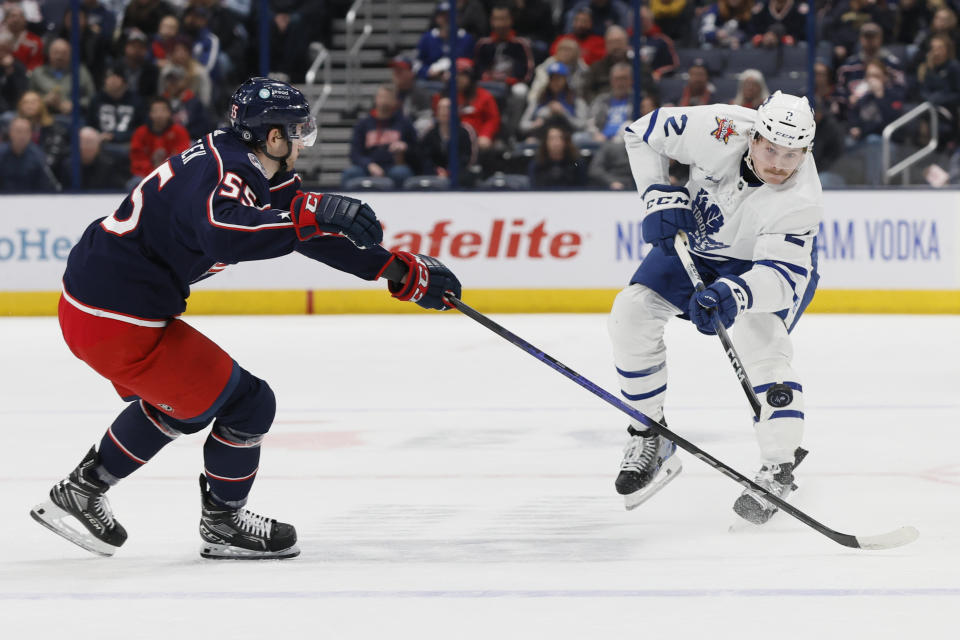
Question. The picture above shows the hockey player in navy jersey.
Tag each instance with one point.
(231, 197)
(751, 208)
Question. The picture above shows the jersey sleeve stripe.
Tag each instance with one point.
(786, 276)
(284, 185)
(795, 268)
(653, 122)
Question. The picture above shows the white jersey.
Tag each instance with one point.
(772, 226)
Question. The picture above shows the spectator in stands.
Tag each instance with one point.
(53, 80)
(533, 20)
(656, 50)
(163, 39)
(471, 17)
(101, 20)
(95, 51)
(289, 41)
(605, 13)
(724, 24)
(611, 111)
(384, 143)
(234, 40)
(142, 75)
(939, 84)
(416, 102)
(873, 105)
(592, 46)
(194, 74)
(27, 47)
(504, 56)
(913, 19)
(674, 17)
(156, 140)
(825, 89)
(828, 147)
(206, 44)
(842, 24)
(13, 74)
(778, 22)
(610, 166)
(852, 72)
(568, 52)
(98, 171)
(145, 15)
(557, 101)
(186, 107)
(618, 51)
(436, 146)
(944, 22)
(751, 89)
(698, 89)
(23, 167)
(115, 110)
(432, 52)
(47, 132)
(477, 108)
(557, 161)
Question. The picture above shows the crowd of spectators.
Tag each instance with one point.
(153, 75)
(545, 88)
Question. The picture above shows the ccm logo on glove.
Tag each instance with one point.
(314, 213)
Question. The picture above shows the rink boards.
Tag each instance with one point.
(878, 252)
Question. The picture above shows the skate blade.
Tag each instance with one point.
(62, 523)
(670, 470)
(213, 551)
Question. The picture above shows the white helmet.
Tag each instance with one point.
(786, 120)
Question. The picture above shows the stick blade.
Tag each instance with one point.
(889, 540)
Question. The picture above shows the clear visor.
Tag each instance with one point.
(304, 133)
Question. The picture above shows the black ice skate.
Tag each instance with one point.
(648, 465)
(79, 511)
(239, 534)
(778, 480)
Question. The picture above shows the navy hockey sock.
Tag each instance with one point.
(231, 453)
(138, 433)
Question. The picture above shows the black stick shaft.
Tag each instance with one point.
(680, 243)
(841, 538)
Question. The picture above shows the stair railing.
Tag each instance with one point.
(321, 58)
(354, 45)
(917, 156)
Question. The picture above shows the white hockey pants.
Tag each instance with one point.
(636, 326)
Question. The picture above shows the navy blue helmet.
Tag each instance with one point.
(262, 104)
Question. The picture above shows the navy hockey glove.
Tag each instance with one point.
(314, 213)
(666, 211)
(725, 298)
(427, 280)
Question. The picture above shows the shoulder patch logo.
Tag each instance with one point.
(724, 130)
(255, 161)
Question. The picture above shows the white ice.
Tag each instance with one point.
(447, 485)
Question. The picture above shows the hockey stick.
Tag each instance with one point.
(896, 538)
(682, 245)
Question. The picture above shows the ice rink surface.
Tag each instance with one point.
(446, 485)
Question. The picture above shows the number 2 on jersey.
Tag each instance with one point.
(122, 227)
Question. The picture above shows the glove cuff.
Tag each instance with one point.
(303, 208)
(740, 290)
(418, 278)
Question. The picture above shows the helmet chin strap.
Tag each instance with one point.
(281, 159)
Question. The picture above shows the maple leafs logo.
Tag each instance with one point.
(724, 130)
(709, 220)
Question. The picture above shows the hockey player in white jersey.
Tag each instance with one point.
(751, 208)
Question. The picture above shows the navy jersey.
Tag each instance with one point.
(201, 210)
